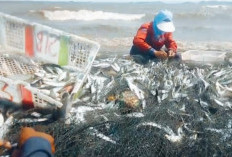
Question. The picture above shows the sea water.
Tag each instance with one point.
(199, 26)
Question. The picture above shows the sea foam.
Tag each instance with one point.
(224, 7)
(88, 15)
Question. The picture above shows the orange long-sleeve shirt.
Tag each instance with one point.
(145, 39)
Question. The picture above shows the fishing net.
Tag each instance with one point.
(183, 110)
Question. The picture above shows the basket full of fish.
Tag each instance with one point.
(41, 65)
(35, 84)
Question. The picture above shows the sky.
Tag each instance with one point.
(168, 1)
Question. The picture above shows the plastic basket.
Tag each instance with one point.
(15, 35)
(43, 44)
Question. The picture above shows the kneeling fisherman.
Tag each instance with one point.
(152, 36)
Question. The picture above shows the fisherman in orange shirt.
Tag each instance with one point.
(152, 36)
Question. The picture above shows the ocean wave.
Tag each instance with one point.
(56, 7)
(32, 11)
(206, 11)
(224, 7)
(198, 15)
(88, 15)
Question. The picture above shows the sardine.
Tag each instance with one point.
(55, 84)
(102, 136)
(101, 65)
(1, 119)
(6, 126)
(138, 92)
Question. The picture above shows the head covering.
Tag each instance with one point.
(163, 23)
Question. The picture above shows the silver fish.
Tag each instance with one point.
(171, 136)
(1, 119)
(102, 136)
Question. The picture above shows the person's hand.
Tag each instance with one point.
(161, 54)
(5, 144)
(27, 133)
(171, 53)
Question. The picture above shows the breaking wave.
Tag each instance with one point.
(88, 15)
(224, 7)
(199, 15)
(207, 11)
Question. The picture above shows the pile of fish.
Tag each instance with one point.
(51, 79)
(183, 109)
(161, 108)
(54, 80)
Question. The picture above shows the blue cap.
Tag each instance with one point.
(163, 23)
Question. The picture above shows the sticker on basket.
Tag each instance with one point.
(63, 54)
(47, 45)
(27, 100)
(29, 41)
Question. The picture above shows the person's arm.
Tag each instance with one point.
(34, 144)
(170, 44)
(140, 39)
(36, 147)
(140, 42)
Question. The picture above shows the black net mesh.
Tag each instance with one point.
(184, 111)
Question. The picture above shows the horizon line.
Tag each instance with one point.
(123, 1)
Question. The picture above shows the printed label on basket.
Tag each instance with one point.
(10, 92)
(63, 54)
(47, 45)
(29, 49)
(27, 99)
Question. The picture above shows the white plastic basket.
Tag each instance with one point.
(44, 44)
(15, 35)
